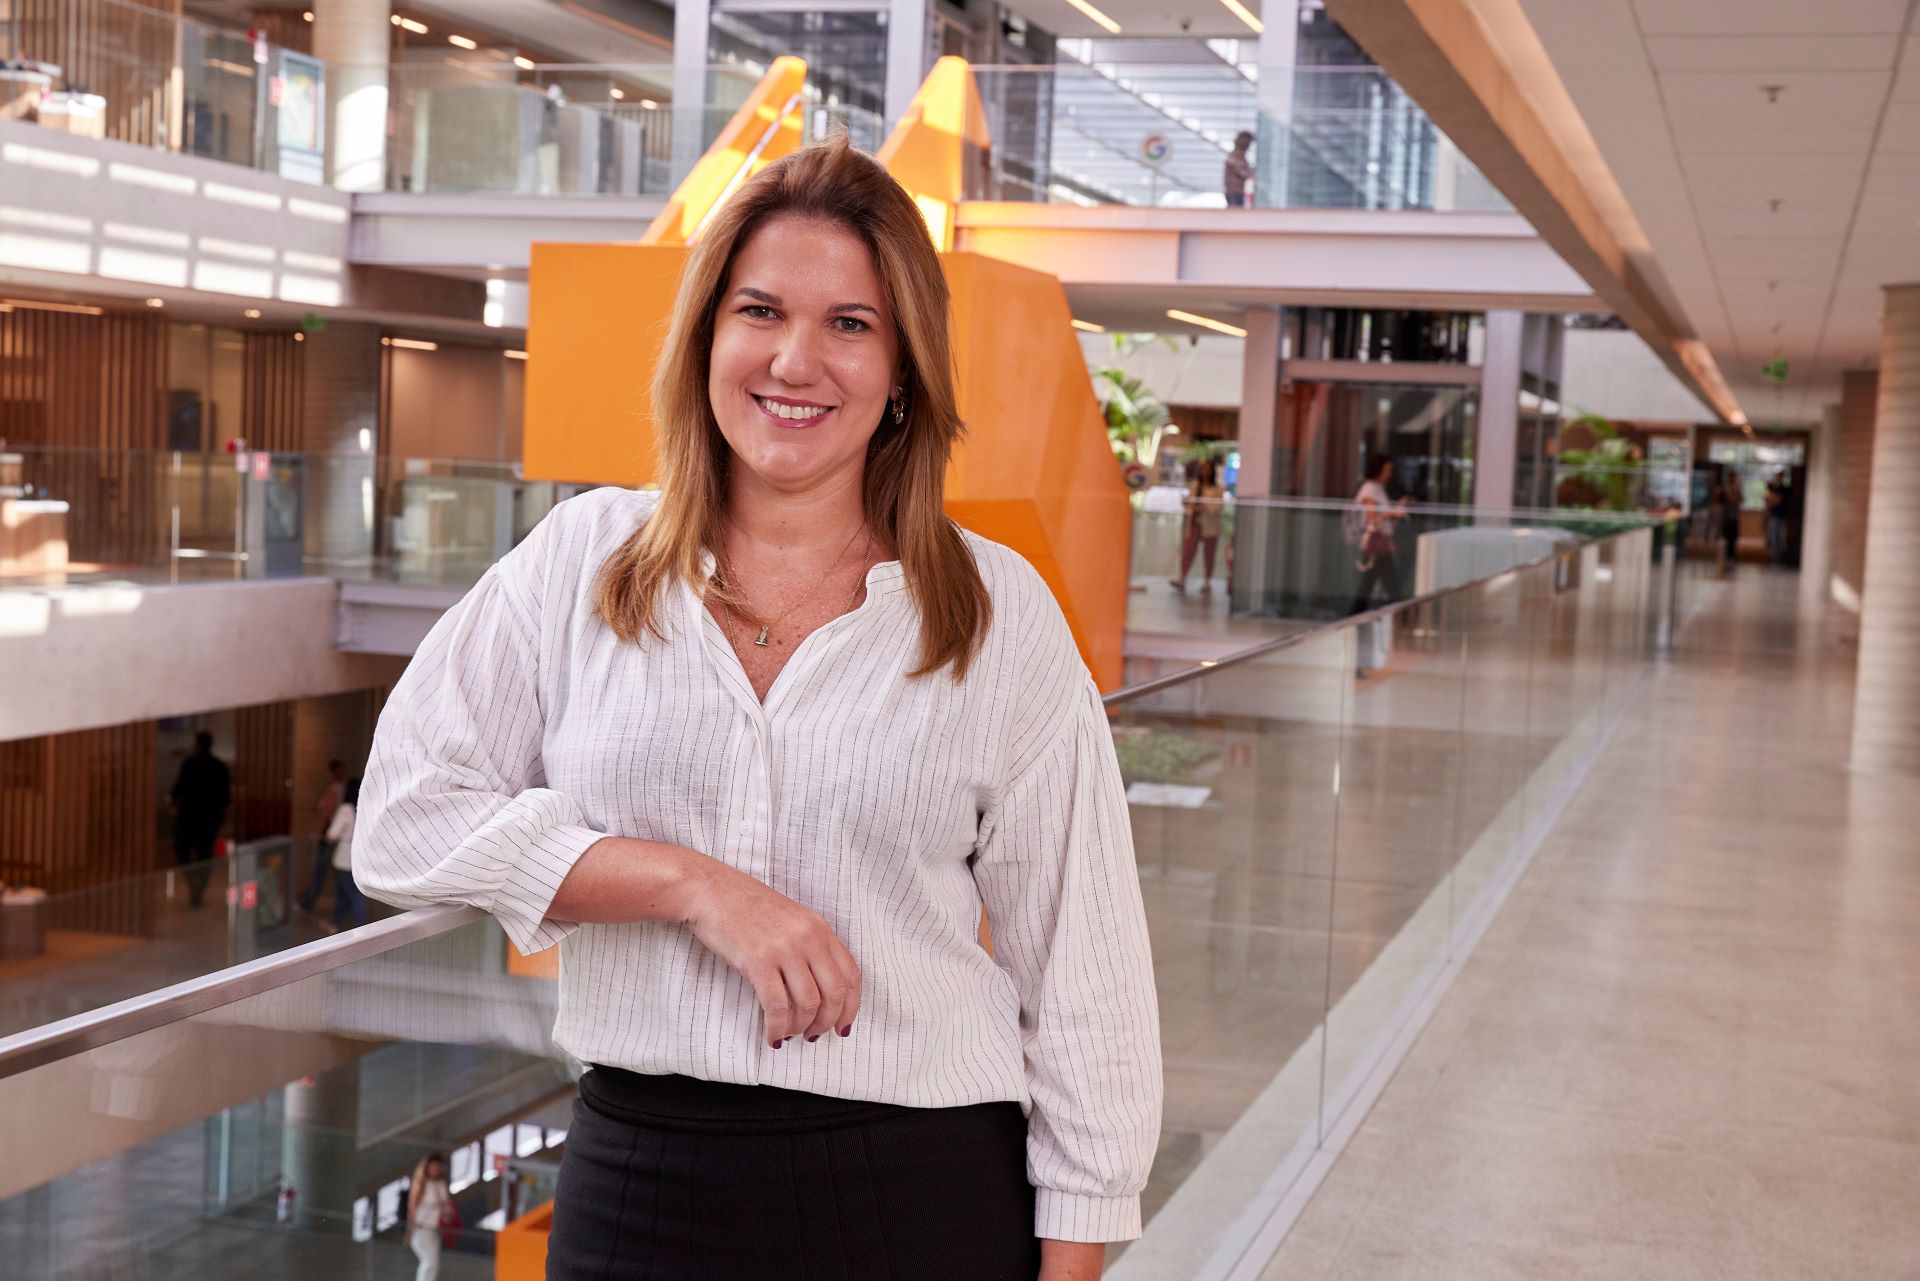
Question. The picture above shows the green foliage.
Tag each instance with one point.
(1160, 757)
(1608, 477)
(1135, 417)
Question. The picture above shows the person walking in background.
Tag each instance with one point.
(349, 905)
(429, 1213)
(323, 848)
(1238, 175)
(1370, 531)
(1731, 500)
(1778, 494)
(1204, 505)
(199, 797)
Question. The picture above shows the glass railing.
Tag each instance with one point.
(1300, 562)
(493, 126)
(1340, 138)
(111, 69)
(1323, 824)
(158, 515)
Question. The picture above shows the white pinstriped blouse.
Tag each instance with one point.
(524, 731)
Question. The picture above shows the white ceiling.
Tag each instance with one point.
(1205, 19)
(1772, 224)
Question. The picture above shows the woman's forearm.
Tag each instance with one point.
(620, 880)
(1071, 1260)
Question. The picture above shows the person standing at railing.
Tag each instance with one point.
(1372, 524)
(199, 796)
(1205, 505)
(1237, 179)
(757, 751)
(349, 906)
(322, 847)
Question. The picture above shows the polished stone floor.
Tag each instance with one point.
(1686, 1048)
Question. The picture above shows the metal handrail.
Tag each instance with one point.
(88, 1031)
(95, 1028)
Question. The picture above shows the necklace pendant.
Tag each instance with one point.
(761, 639)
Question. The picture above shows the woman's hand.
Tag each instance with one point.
(807, 981)
(1071, 1260)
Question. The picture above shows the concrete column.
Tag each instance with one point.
(1260, 370)
(1273, 133)
(1816, 516)
(1852, 471)
(909, 53)
(340, 423)
(690, 19)
(1497, 442)
(1886, 704)
(354, 37)
(319, 1145)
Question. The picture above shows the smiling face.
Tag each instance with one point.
(805, 355)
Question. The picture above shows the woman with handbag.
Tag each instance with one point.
(1205, 505)
(1377, 517)
(756, 751)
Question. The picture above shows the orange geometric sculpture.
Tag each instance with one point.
(1035, 471)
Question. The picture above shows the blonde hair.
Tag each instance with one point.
(906, 466)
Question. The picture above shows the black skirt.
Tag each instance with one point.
(668, 1178)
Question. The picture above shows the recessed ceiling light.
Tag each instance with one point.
(251, 313)
(155, 302)
(1219, 326)
(463, 42)
(515, 354)
(617, 94)
(525, 64)
(1111, 27)
(413, 344)
(1240, 11)
(1089, 326)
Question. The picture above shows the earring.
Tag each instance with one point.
(899, 406)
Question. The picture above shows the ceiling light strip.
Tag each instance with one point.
(1112, 28)
(1241, 12)
(1219, 326)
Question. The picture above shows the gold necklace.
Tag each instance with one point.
(763, 638)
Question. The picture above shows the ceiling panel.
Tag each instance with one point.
(1769, 17)
(1770, 53)
(1767, 140)
(1776, 257)
(1807, 99)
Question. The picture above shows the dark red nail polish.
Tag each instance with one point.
(778, 1044)
(847, 1030)
(812, 1039)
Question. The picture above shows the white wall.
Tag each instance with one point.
(1205, 373)
(76, 658)
(1613, 373)
(83, 212)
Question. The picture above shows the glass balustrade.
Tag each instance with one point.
(1322, 822)
(1161, 135)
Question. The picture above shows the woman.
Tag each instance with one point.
(1377, 517)
(1205, 503)
(760, 752)
(349, 908)
(429, 1207)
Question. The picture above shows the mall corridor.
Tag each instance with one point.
(1685, 1049)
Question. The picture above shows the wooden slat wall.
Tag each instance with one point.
(284, 27)
(262, 771)
(122, 51)
(274, 386)
(92, 391)
(76, 812)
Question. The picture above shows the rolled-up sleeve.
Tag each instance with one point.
(1056, 871)
(453, 808)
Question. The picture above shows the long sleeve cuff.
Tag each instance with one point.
(532, 881)
(1070, 1216)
